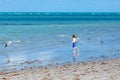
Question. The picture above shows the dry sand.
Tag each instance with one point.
(99, 70)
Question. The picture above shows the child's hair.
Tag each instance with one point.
(74, 36)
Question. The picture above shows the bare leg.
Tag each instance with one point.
(76, 48)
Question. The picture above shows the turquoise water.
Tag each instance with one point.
(50, 41)
(33, 18)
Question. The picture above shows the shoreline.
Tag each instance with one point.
(94, 70)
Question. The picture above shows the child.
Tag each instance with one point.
(74, 41)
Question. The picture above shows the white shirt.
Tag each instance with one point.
(74, 40)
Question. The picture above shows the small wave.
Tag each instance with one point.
(63, 35)
(8, 42)
(17, 41)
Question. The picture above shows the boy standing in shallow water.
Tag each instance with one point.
(74, 41)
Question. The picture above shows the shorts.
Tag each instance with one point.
(74, 45)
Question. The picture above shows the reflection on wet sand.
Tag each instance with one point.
(74, 55)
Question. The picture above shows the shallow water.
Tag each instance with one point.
(51, 43)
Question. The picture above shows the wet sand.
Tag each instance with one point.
(97, 70)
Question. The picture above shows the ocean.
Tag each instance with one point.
(42, 38)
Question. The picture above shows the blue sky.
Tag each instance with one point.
(59, 5)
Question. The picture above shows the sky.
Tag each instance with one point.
(59, 5)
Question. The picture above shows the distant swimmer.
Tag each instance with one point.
(8, 61)
(101, 42)
(7, 43)
(74, 41)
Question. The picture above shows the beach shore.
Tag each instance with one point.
(97, 70)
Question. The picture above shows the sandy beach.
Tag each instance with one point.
(98, 70)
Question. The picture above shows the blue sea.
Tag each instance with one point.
(38, 39)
